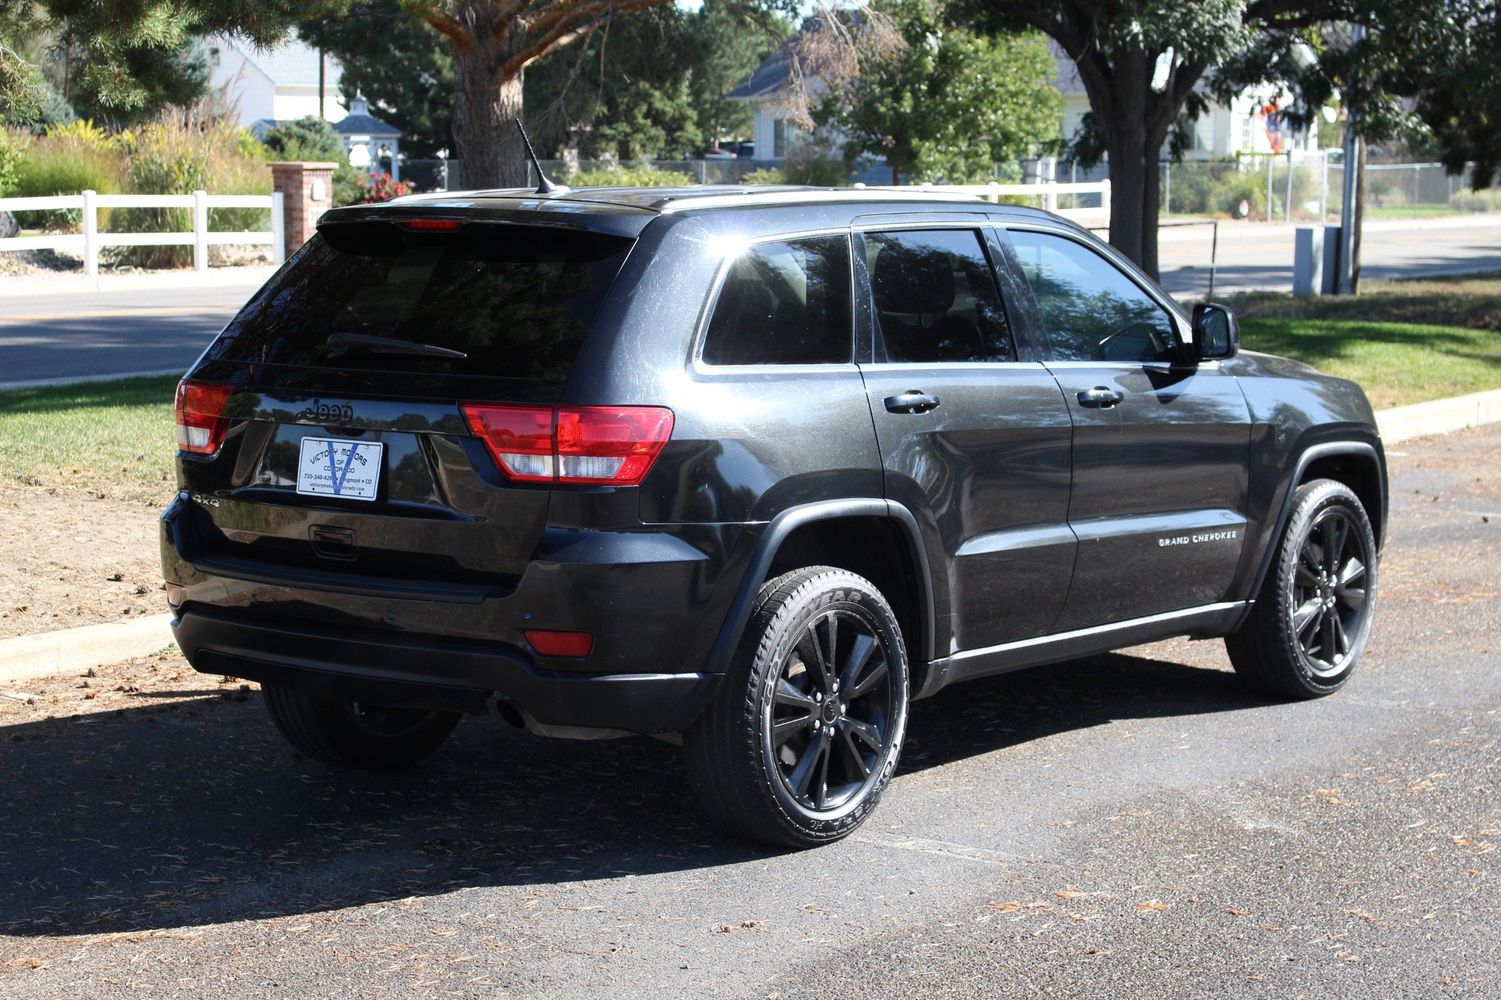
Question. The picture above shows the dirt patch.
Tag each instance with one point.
(158, 680)
(69, 558)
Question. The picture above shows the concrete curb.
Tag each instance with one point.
(41, 383)
(71, 650)
(77, 649)
(1439, 416)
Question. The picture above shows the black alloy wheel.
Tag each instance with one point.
(806, 729)
(829, 720)
(1329, 590)
(1305, 634)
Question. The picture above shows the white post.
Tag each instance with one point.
(200, 230)
(1105, 199)
(1269, 158)
(395, 160)
(1287, 202)
(278, 228)
(995, 193)
(90, 235)
(1324, 189)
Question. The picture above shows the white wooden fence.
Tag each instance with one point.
(89, 241)
(1047, 191)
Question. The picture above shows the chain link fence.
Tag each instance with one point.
(1307, 188)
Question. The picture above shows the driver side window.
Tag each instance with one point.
(1090, 310)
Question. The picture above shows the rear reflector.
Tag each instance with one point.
(200, 415)
(599, 445)
(575, 644)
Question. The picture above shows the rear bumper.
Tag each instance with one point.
(423, 672)
(651, 598)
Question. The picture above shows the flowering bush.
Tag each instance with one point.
(380, 187)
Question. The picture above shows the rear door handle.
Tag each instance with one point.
(1100, 397)
(912, 401)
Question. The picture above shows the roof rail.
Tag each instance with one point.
(803, 196)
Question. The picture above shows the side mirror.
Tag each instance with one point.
(1216, 331)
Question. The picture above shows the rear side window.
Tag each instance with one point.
(517, 301)
(784, 303)
(935, 297)
(1091, 310)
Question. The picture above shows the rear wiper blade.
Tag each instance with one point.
(392, 345)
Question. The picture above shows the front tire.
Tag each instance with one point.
(355, 735)
(1312, 619)
(807, 727)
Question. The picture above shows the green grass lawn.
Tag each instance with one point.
(1418, 211)
(116, 438)
(1404, 341)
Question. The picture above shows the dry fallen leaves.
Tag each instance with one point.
(1154, 904)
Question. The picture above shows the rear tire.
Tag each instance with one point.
(806, 729)
(1312, 619)
(353, 735)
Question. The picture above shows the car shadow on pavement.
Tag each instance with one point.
(192, 812)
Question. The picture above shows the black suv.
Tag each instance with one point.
(753, 466)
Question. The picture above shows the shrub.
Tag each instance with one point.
(1484, 200)
(67, 159)
(1230, 190)
(312, 139)
(179, 153)
(309, 138)
(640, 175)
(10, 154)
(375, 188)
(764, 175)
(820, 171)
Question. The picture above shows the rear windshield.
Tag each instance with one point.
(516, 301)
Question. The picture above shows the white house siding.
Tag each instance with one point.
(278, 84)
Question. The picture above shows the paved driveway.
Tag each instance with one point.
(1133, 825)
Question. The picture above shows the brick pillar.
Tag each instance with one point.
(307, 191)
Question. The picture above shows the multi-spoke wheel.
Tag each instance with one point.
(1313, 616)
(356, 735)
(805, 731)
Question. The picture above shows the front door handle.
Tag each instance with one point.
(1100, 397)
(912, 401)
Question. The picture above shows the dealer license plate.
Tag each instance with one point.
(328, 467)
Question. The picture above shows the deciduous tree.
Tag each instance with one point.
(947, 104)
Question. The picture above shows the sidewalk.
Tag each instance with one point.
(1174, 231)
(68, 283)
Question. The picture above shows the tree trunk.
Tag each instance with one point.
(1133, 164)
(484, 109)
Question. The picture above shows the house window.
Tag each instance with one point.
(779, 138)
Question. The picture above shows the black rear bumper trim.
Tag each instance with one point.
(424, 672)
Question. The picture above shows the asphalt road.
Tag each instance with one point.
(1129, 826)
(51, 336)
(1261, 256)
(55, 335)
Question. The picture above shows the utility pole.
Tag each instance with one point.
(1347, 215)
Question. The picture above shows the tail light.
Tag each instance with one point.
(200, 415)
(597, 445)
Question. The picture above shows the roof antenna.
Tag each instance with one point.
(544, 186)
